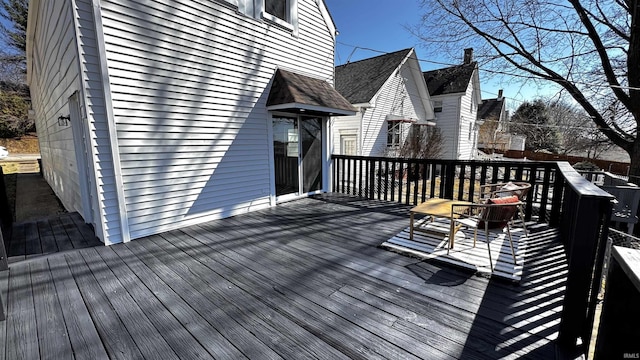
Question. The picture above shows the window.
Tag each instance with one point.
(348, 145)
(281, 12)
(394, 133)
(277, 8)
(437, 106)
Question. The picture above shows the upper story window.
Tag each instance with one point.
(277, 8)
(281, 12)
(437, 106)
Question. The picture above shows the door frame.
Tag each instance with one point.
(80, 133)
(324, 123)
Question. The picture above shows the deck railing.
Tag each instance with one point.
(560, 197)
(412, 181)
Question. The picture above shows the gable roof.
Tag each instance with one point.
(490, 109)
(296, 92)
(451, 80)
(359, 81)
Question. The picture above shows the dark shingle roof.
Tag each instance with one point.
(359, 81)
(292, 88)
(451, 80)
(490, 109)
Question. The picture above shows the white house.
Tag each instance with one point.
(390, 96)
(160, 114)
(494, 132)
(455, 94)
(493, 116)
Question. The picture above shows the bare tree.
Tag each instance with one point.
(422, 142)
(590, 49)
(577, 134)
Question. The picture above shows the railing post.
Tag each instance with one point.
(585, 221)
(450, 175)
(372, 178)
(556, 201)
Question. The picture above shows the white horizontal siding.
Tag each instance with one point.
(345, 125)
(448, 121)
(468, 115)
(54, 77)
(189, 81)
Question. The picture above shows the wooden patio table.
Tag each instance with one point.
(435, 207)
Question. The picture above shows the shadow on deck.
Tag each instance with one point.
(305, 279)
(49, 235)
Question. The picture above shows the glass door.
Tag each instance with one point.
(297, 152)
(285, 154)
(311, 142)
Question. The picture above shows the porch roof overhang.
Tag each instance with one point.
(297, 93)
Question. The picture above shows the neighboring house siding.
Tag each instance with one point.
(398, 96)
(457, 123)
(448, 122)
(189, 82)
(468, 132)
(345, 126)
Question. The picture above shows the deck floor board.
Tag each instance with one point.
(306, 279)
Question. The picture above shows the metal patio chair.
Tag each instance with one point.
(490, 217)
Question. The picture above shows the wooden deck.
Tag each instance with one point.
(49, 235)
(305, 279)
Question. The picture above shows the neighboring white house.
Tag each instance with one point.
(390, 95)
(455, 94)
(494, 132)
(493, 116)
(160, 114)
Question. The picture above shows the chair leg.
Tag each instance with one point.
(513, 253)
(448, 245)
(630, 228)
(486, 233)
(475, 236)
(524, 225)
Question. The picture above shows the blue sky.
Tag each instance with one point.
(381, 25)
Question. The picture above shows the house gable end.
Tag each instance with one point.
(360, 81)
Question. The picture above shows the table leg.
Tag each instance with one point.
(451, 234)
(410, 225)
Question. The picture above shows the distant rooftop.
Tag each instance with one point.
(359, 81)
(451, 80)
(490, 109)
